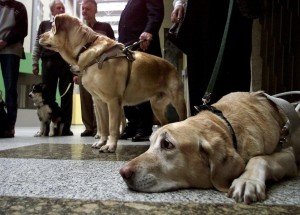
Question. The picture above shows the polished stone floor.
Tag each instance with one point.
(64, 175)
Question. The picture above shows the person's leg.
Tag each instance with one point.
(201, 56)
(235, 67)
(132, 124)
(66, 87)
(10, 70)
(87, 112)
(50, 76)
(145, 122)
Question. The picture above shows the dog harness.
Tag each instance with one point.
(116, 51)
(293, 123)
(220, 114)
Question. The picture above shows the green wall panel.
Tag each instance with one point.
(25, 67)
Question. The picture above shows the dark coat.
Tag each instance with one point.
(204, 26)
(142, 16)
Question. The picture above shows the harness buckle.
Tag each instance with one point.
(129, 54)
(284, 135)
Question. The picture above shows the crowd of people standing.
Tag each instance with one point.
(140, 20)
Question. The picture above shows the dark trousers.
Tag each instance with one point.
(203, 47)
(10, 71)
(55, 71)
(140, 117)
(87, 109)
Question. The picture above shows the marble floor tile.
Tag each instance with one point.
(64, 175)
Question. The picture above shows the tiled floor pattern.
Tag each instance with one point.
(64, 175)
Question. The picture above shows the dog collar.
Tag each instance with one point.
(84, 48)
(220, 114)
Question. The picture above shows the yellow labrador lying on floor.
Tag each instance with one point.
(113, 78)
(236, 153)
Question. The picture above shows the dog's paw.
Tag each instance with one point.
(99, 144)
(51, 134)
(110, 148)
(247, 191)
(38, 134)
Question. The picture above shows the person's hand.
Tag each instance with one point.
(35, 69)
(146, 37)
(2, 44)
(177, 14)
(76, 79)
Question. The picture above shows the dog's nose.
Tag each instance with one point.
(126, 172)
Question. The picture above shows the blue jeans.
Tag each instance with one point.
(10, 71)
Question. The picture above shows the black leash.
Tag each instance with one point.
(133, 45)
(211, 84)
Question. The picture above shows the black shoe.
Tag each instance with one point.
(94, 132)
(140, 137)
(67, 133)
(129, 132)
(126, 134)
(87, 133)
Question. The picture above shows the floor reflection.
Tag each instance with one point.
(73, 152)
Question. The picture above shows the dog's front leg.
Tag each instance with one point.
(52, 129)
(102, 122)
(42, 130)
(115, 113)
(97, 114)
(250, 186)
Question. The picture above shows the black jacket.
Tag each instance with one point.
(142, 16)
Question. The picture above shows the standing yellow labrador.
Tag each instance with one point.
(112, 78)
(234, 152)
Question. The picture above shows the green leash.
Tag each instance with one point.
(211, 84)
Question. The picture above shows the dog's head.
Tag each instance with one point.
(195, 153)
(69, 36)
(36, 93)
(64, 27)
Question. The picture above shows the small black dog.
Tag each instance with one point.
(48, 111)
(3, 116)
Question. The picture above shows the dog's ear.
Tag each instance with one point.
(225, 163)
(59, 23)
(62, 22)
(55, 25)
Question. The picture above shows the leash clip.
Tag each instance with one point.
(133, 45)
(206, 98)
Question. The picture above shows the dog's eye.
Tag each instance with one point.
(165, 144)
